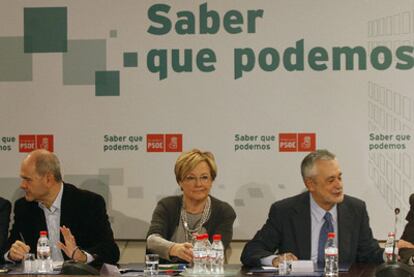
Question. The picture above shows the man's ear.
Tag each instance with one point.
(49, 178)
(310, 185)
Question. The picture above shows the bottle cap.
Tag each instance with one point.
(217, 237)
(43, 233)
(205, 236)
(331, 235)
(200, 237)
(391, 234)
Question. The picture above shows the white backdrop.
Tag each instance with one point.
(208, 109)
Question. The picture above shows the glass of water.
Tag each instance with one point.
(151, 264)
(29, 263)
(285, 264)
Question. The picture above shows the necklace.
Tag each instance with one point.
(205, 216)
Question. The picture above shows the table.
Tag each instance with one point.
(356, 270)
(361, 270)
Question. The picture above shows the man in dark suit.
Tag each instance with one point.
(296, 226)
(5, 209)
(76, 220)
(406, 243)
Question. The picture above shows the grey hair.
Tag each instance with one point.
(48, 163)
(308, 164)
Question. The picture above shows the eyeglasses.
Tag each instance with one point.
(193, 179)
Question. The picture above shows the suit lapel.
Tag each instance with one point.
(302, 226)
(65, 217)
(35, 221)
(40, 224)
(345, 229)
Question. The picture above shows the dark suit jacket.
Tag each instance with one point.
(82, 211)
(408, 234)
(288, 229)
(5, 209)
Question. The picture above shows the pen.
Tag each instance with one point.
(22, 238)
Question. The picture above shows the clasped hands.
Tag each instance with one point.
(286, 256)
(70, 248)
(291, 257)
(184, 251)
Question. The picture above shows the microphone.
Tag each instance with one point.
(395, 268)
(396, 213)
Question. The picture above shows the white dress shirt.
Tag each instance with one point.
(52, 216)
(317, 214)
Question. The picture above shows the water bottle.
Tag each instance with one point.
(199, 253)
(45, 264)
(331, 256)
(390, 244)
(207, 260)
(217, 255)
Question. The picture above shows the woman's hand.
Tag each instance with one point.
(184, 251)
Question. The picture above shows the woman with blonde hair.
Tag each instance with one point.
(177, 219)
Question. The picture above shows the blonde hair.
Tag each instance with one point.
(187, 161)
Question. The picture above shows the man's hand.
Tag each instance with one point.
(70, 247)
(404, 244)
(288, 256)
(183, 251)
(17, 251)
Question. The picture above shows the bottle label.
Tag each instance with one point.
(388, 250)
(330, 251)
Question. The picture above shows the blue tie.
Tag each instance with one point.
(327, 227)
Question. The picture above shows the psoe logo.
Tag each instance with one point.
(288, 142)
(28, 143)
(306, 142)
(297, 142)
(164, 142)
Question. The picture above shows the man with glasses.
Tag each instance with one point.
(177, 219)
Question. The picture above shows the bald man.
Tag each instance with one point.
(76, 220)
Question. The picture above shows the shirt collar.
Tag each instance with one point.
(318, 212)
(57, 203)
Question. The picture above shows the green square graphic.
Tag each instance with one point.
(15, 65)
(130, 59)
(45, 30)
(83, 58)
(107, 83)
(113, 33)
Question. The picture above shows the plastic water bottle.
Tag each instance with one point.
(217, 255)
(390, 244)
(331, 256)
(207, 260)
(199, 253)
(45, 264)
